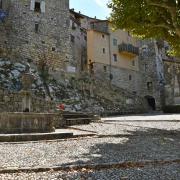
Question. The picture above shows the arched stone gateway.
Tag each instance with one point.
(151, 102)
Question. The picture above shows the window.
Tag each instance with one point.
(145, 67)
(37, 7)
(72, 38)
(149, 85)
(1, 6)
(105, 68)
(73, 26)
(133, 63)
(130, 77)
(104, 50)
(111, 76)
(115, 57)
(115, 42)
(92, 25)
(36, 28)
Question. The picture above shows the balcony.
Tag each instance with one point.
(128, 50)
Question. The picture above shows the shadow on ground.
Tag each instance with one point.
(150, 144)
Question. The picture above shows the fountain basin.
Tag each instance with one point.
(11, 123)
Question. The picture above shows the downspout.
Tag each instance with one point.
(110, 60)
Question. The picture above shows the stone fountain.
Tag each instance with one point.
(26, 121)
(27, 80)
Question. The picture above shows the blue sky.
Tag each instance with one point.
(91, 8)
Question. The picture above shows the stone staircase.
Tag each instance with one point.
(77, 118)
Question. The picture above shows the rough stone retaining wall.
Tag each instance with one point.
(121, 77)
(12, 102)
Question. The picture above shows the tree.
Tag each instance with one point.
(158, 19)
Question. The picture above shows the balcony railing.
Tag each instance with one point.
(128, 49)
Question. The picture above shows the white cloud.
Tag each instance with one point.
(103, 5)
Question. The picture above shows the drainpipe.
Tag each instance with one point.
(110, 60)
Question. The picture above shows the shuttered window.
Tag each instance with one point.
(43, 6)
(32, 6)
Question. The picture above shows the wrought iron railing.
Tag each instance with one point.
(129, 48)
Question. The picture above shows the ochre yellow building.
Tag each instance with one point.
(114, 54)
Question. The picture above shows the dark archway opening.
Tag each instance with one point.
(151, 102)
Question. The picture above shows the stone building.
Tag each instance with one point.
(140, 67)
(136, 66)
(46, 30)
(113, 55)
(151, 73)
(159, 74)
(78, 42)
(172, 80)
(35, 30)
(79, 24)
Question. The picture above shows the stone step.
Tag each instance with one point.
(34, 136)
(69, 116)
(66, 113)
(71, 122)
(77, 118)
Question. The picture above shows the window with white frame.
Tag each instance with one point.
(38, 6)
(114, 42)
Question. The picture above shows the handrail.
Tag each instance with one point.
(128, 48)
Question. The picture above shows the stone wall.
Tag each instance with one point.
(12, 102)
(172, 82)
(151, 72)
(120, 77)
(31, 34)
(11, 123)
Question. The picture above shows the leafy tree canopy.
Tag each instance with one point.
(158, 19)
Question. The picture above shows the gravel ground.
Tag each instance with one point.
(164, 145)
(171, 172)
(109, 127)
(92, 150)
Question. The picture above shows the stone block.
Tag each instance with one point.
(26, 123)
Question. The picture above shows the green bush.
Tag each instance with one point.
(172, 109)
